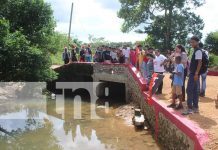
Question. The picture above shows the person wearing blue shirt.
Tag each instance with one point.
(177, 84)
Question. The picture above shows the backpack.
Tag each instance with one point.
(205, 62)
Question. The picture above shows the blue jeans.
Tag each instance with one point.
(88, 58)
(126, 60)
(203, 83)
(192, 92)
(145, 70)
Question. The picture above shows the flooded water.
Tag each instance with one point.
(46, 128)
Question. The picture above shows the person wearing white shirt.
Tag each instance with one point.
(113, 55)
(193, 80)
(126, 52)
(159, 67)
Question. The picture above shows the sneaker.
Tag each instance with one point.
(196, 110)
(180, 106)
(172, 106)
(187, 112)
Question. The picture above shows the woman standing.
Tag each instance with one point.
(180, 51)
(73, 54)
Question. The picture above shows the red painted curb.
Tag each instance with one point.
(138, 77)
(212, 73)
(191, 129)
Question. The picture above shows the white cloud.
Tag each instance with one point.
(91, 17)
(209, 14)
(99, 17)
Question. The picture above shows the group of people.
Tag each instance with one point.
(195, 68)
(149, 60)
(108, 54)
(71, 56)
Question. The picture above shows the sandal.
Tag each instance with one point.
(171, 105)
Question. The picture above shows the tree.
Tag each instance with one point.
(165, 21)
(34, 18)
(26, 38)
(20, 61)
(212, 41)
(96, 42)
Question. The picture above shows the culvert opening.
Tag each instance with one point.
(115, 92)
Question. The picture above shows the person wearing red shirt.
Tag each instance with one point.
(133, 57)
(137, 52)
(144, 65)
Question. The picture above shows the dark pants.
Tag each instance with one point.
(159, 90)
(66, 61)
(183, 87)
(192, 92)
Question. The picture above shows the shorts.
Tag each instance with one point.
(82, 59)
(177, 90)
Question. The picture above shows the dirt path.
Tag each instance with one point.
(208, 116)
(55, 66)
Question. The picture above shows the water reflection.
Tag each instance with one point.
(46, 130)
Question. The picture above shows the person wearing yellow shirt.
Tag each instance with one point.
(140, 59)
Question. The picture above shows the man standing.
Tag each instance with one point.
(126, 52)
(66, 56)
(193, 82)
(88, 54)
(159, 67)
(82, 54)
(73, 57)
(106, 55)
(113, 55)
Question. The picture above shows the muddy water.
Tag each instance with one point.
(45, 127)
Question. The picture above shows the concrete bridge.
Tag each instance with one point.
(170, 129)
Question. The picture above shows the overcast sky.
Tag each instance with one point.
(99, 18)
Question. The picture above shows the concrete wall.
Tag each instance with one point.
(170, 129)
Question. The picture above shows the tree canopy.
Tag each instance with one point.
(25, 44)
(212, 41)
(166, 22)
(34, 18)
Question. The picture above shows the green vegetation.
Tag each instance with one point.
(60, 41)
(27, 28)
(167, 22)
(212, 42)
(213, 60)
(28, 43)
(96, 42)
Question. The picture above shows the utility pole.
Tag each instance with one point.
(71, 14)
